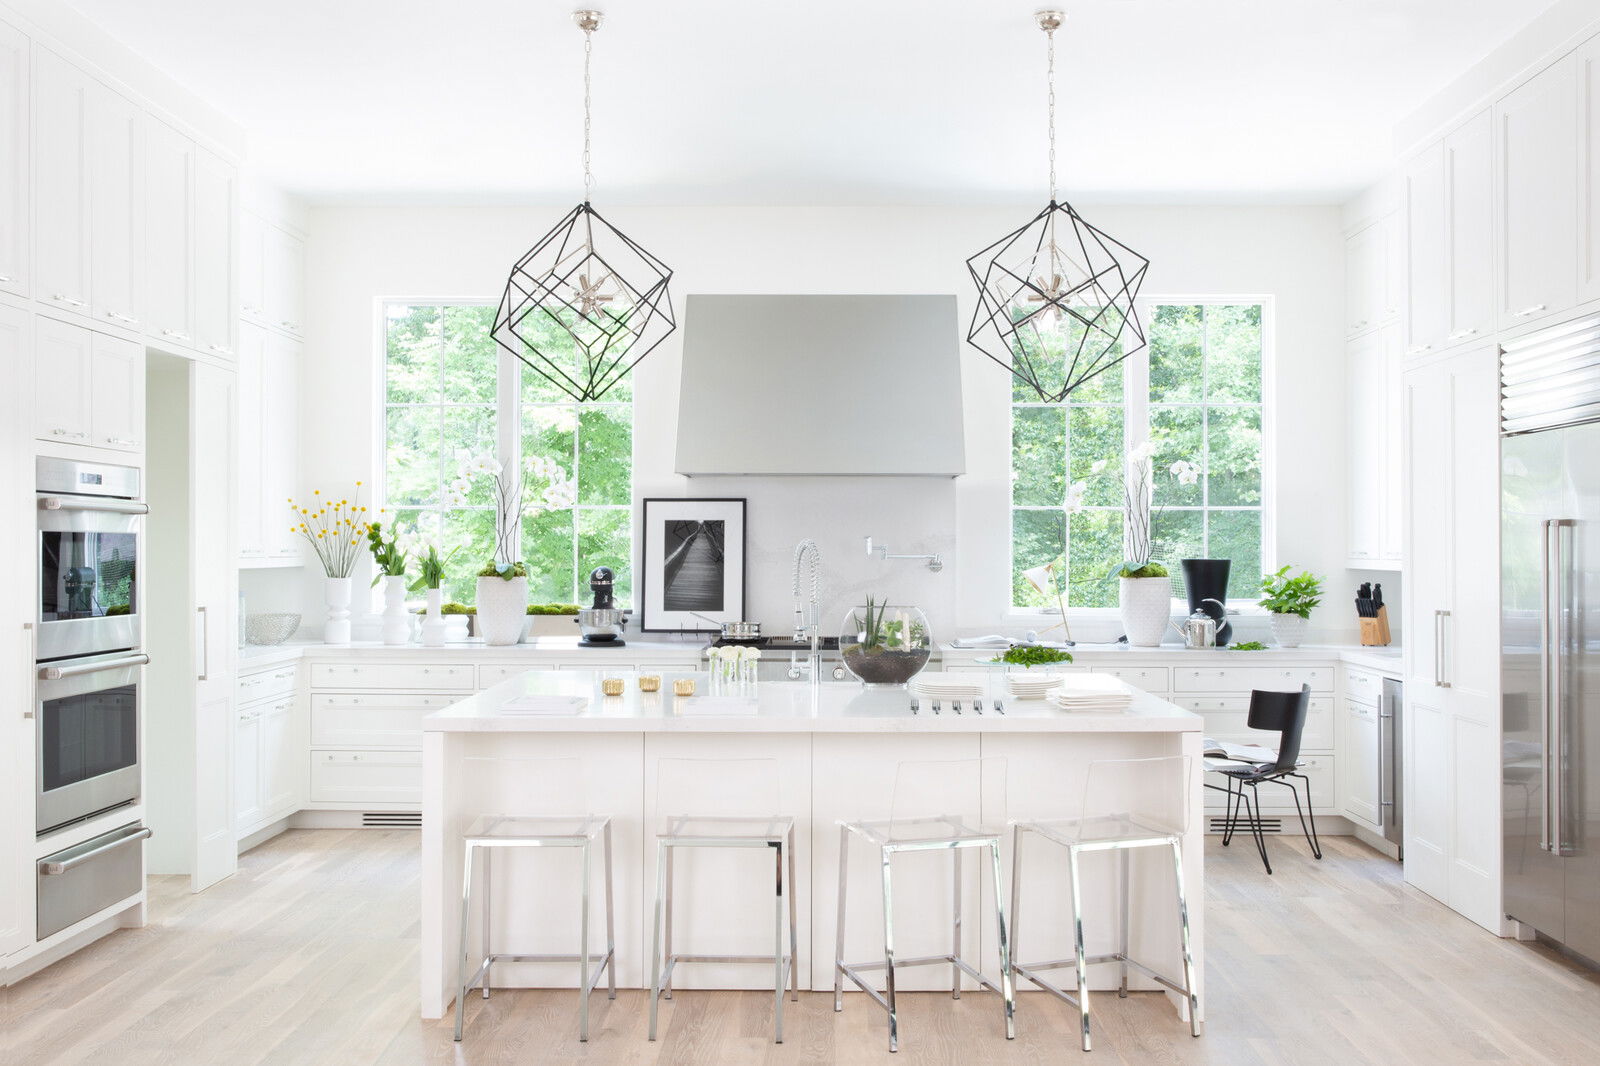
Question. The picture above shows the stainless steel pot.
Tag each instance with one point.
(741, 631)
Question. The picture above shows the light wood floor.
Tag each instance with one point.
(309, 957)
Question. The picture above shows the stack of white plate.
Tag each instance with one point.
(1031, 684)
(948, 686)
(1091, 692)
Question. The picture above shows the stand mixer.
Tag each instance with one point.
(602, 623)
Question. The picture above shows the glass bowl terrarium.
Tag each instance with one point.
(883, 644)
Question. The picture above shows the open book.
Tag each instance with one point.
(1245, 753)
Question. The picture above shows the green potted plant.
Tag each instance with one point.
(389, 553)
(1291, 601)
(430, 576)
(884, 645)
(552, 619)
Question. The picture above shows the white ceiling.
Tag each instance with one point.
(820, 101)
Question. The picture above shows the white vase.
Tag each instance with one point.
(502, 609)
(1146, 604)
(1288, 630)
(336, 630)
(457, 629)
(396, 622)
(433, 623)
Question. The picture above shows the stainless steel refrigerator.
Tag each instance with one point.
(1550, 632)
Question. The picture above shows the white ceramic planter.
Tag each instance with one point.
(433, 623)
(1288, 630)
(552, 625)
(502, 609)
(336, 630)
(1146, 604)
(396, 622)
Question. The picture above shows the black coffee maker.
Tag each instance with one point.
(602, 623)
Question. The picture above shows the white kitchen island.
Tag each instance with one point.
(835, 749)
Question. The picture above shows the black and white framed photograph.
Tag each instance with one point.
(694, 564)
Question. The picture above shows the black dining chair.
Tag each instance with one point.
(1283, 713)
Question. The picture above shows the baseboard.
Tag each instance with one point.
(355, 820)
(262, 835)
(1328, 825)
(1381, 845)
(32, 964)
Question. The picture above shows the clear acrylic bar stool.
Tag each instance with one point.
(556, 788)
(959, 786)
(742, 815)
(1127, 804)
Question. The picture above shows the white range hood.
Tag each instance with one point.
(821, 385)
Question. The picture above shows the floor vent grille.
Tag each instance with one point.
(391, 820)
(1268, 825)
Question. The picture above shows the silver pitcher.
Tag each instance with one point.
(1199, 630)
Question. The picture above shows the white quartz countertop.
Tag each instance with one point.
(784, 707)
(634, 649)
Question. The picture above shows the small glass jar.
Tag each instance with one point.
(611, 686)
(683, 686)
(649, 682)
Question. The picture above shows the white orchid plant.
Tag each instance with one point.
(1137, 478)
(540, 478)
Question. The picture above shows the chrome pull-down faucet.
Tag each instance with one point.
(807, 624)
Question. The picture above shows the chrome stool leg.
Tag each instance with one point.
(1127, 907)
(488, 913)
(888, 953)
(955, 933)
(1183, 932)
(466, 916)
(838, 951)
(1073, 860)
(1016, 892)
(1008, 990)
(655, 940)
(777, 948)
(666, 943)
(794, 927)
(611, 922)
(583, 951)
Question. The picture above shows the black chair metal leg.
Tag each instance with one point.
(1233, 811)
(1255, 825)
(1311, 832)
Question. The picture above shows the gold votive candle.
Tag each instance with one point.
(611, 686)
(684, 686)
(649, 682)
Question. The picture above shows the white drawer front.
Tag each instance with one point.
(375, 778)
(415, 677)
(1225, 718)
(1275, 799)
(265, 684)
(1363, 686)
(491, 674)
(1247, 678)
(380, 721)
(1149, 678)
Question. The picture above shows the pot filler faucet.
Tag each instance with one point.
(807, 627)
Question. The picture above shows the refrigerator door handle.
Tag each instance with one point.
(1553, 598)
(1439, 658)
(1383, 702)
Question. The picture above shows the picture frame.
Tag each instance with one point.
(693, 560)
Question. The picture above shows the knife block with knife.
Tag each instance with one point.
(1372, 615)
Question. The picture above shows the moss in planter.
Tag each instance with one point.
(881, 666)
(552, 608)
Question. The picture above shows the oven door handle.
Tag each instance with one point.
(74, 503)
(50, 869)
(57, 673)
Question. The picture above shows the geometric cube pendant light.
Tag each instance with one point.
(1055, 298)
(586, 302)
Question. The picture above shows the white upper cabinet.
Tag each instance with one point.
(1363, 279)
(1469, 222)
(15, 161)
(1373, 402)
(285, 280)
(252, 353)
(1537, 170)
(63, 354)
(60, 182)
(253, 268)
(1427, 283)
(1589, 199)
(281, 444)
(169, 238)
(216, 207)
(116, 393)
(116, 207)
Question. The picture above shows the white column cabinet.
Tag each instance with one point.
(1363, 279)
(1536, 161)
(269, 373)
(1469, 229)
(253, 268)
(285, 280)
(116, 208)
(16, 176)
(1588, 60)
(61, 403)
(1373, 405)
(252, 354)
(215, 271)
(116, 393)
(1427, 286)
(169, 237)
(60, 182)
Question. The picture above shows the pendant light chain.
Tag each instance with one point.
(588, 51)
(1050, 76)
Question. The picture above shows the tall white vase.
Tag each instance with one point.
(336, 630)
(433, 623)
(396, 623)
(502, 609)
(1146, 604)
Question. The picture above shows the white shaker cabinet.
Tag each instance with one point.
(1469, 229)
(15, 161)
(116, 393)
(253, 267)
(252, 352)
(215, 271)
(248, 793)
(1588, 60)
(269, 372)
(1427, 284)
(116, 208)
(169, 236)
(17, 740)
(61, 405)
(1536, 162)
(60, 182)
(1363, 279)
(285, 280)
(1373, 404)
(1358, 762)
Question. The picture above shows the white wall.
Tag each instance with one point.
(356, 256)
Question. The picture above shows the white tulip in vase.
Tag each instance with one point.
(430, 571)
(390, 556)
(503, 583)
(1291, 601)
(334, 529)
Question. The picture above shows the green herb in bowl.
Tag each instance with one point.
(1029, 656)
(1249, 645)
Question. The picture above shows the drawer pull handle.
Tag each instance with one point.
(1526, 311)
(61, 297)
